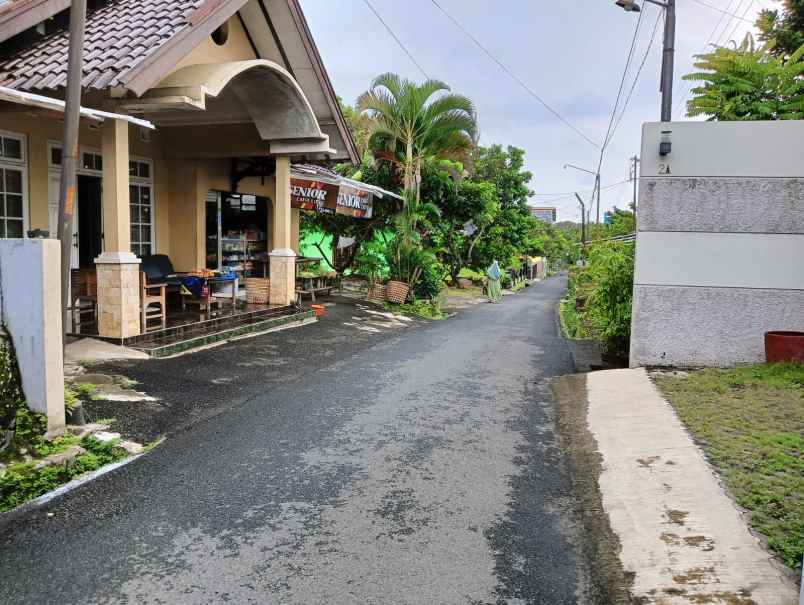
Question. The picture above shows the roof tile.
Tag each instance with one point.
(118, 37)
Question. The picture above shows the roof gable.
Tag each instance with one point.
(133, 44)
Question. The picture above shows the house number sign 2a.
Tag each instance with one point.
(664, 169)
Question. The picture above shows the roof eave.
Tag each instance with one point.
(323, 77)
(22, 15)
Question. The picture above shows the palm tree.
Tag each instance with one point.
(418, 121)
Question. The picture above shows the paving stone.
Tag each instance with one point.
(86, 429)
(63, 458)
(132, 447)
(105, 436)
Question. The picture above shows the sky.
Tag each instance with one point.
(571, 54)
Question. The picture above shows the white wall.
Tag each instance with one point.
(720, 241)
(30, 309)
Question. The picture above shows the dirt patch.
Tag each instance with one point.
(601, 547)
(741, 597)
(702, 542)
(676, 517)
(695, 575)
(649, 461)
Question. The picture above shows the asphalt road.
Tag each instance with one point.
(416, 467)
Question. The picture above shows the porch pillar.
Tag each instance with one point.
(283, 258)
(118, 269)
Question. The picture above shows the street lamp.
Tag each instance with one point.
(669, 7)
(597, 183)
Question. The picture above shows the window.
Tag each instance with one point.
(141, 207)
(12, 186)
(55, 155)
(90, 161)
(139, 169)
(12, 208)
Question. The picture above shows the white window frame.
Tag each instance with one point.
(21, 165)
(146, 182)
(88, 171)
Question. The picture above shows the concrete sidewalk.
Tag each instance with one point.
(683, 539)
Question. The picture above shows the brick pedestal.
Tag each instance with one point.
(118, 294)
(283, 277)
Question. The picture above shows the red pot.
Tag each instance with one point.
(784, 346)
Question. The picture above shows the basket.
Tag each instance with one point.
(377, 293)
(257, 290)
(398, 292)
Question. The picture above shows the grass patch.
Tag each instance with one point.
(750, 422)
(22, 482)
(572, 324)
(471, 274)
(419, 308)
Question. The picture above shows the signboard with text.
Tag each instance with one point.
(354, 202)
(307, 194)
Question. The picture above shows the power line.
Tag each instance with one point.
(638, 73)
(745, 12)
(513, 76)
(720, 10)
(398, 41)
(621, 87)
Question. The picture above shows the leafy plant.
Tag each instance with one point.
(611, 271)
(412, 122)
(22, 482)
(747, 83)
(784, 29)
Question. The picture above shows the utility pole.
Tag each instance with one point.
(667, 60)
(583, 222)
(69, 161)
(635, 178)
(597, 186)
(668, 53)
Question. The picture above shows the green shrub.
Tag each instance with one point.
(431, 278)
(608, 308)
(22, 482)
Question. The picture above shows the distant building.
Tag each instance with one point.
(547, 215)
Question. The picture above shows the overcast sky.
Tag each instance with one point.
(571, 54)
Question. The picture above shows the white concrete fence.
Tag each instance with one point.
(30, 309)
(720, 241)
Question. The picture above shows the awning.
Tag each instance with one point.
(33, 100)
(316, 188)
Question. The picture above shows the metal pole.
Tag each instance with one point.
(69, 156)
(634, 161)
(667, 60)
(583, 221)
(597, 185)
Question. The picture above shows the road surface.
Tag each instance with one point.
(419, 468)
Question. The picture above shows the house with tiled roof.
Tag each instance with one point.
(192, 112)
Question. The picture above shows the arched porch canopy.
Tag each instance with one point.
(258, 91)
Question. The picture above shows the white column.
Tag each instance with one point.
(283, 258)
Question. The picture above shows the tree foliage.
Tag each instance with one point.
(783, 29)
(413, 122)
(747, 83)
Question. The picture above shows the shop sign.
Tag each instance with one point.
(354, 202)
(313, 195)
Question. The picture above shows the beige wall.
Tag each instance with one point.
(179, 186)
(41, 127)
(190, 181)
(236, 48)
